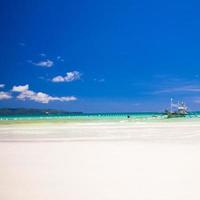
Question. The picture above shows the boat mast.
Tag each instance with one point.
(171, 105)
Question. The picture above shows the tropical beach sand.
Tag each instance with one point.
(100, 161)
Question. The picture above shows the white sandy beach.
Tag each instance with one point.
(100, 161)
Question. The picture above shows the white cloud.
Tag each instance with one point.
(26, 94)
(58, 79)
(20, 88)
(5, 95)
(69, 77)
(186, 88)
(2, 85)
(43, 63)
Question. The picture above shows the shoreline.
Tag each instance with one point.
(154, 132)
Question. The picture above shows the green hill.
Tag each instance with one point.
(33, 111)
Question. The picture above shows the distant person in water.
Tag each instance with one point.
(128, 116)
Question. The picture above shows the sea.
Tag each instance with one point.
(143, 116)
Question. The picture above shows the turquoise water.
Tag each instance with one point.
(96, 116)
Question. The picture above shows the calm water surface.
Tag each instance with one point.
(97, 117)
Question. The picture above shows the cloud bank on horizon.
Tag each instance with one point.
(26, 94)
(5, 95)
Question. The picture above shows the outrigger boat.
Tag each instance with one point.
(181, 110)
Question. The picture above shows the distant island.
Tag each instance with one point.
(33, 111)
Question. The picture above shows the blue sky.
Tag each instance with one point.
(99, 56)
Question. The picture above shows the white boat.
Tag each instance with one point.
(177, 110)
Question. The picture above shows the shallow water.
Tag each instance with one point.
(98, 117)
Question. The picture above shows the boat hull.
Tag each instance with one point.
(175, 115)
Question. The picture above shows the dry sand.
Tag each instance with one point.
(113, 161)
